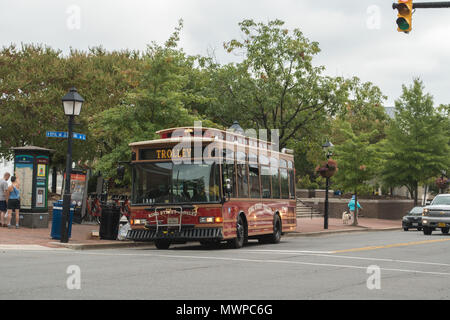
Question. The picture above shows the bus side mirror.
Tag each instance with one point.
(120, 172)
(228, 187)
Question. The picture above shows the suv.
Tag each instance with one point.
(437, 215)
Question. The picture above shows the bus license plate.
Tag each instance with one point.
(442, 225)
(172, 220)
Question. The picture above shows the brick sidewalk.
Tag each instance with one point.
(306, 225)
(81, 234)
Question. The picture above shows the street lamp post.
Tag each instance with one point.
(327, 148)
(72, 103)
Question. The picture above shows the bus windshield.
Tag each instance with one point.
(166, 182)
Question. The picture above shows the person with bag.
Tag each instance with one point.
(352, 205)
(13, 201)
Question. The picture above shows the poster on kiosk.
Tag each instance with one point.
(77, 186)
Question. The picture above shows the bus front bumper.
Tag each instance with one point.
(195, 234)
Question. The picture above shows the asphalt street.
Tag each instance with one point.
(410, 265)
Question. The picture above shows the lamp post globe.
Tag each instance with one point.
(72, 103)
(327, 147)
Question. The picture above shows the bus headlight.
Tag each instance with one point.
(206, 219)
(138, 221)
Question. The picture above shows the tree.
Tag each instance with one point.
(417, 141)
(357, 160)
(276, 85)
(167, 91)
(34, 78)
(364, 112)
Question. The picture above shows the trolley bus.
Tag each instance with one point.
(210, 185)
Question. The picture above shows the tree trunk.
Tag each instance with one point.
(416, 194)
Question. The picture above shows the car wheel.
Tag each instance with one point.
(444, 230)
(427, 231)
(419, 229)
(406, 229)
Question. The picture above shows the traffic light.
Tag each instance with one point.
(404, 19)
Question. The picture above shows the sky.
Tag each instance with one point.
(356, 37)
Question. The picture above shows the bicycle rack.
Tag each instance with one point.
(155, 209)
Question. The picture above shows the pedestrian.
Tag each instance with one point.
(3, 197)
(13, 201)
(351, 206)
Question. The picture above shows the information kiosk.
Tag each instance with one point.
(31, 166)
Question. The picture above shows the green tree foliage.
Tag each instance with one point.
(357, 160)
(364, 112)
(417, 143)
(34, 78)
(276, 84)
(169, 89)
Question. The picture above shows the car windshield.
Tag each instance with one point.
(416, 211)
(166, 182)
(439, 200)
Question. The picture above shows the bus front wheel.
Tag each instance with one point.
(238, 242)
(162, 244)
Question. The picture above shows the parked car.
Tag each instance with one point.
(437, 215)
(413, 219)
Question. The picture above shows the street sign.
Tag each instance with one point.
(62, 134)
(79, 136)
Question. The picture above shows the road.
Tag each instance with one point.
(411, 266)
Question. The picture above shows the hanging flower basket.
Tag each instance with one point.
(327, 169)
(442, 183)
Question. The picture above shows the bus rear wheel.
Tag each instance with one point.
(275, 237)
(162, 244)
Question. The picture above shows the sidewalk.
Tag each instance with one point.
(81, 234)
(81, 238)
(314, 226)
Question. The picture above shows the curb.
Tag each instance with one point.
(93, 246)
(323, 233)
(128, 244)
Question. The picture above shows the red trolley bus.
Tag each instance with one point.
(210, 185)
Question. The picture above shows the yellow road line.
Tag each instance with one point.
(392, 245)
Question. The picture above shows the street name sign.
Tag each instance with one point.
(62, 134)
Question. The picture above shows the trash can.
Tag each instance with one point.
(57, 218)
(109, 222)
(77, 218)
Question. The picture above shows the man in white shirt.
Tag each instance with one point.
(3, 190)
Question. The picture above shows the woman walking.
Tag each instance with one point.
(13, 201)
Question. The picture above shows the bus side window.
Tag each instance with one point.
(242, 181)
(284, 184)
(228, 173)
(254, 181)
(275, 183)
(265, 182)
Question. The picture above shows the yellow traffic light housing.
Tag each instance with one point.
(404, 20)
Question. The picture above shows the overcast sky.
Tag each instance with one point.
(357, 37)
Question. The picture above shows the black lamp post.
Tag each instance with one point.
(72, 103)
(327, 146)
